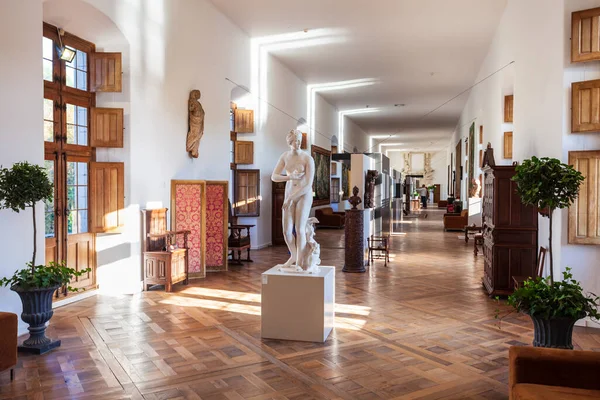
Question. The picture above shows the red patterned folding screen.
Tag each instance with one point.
(216, 225)
(188, 209)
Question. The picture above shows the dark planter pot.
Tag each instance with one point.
(556, 333)
(37, 310)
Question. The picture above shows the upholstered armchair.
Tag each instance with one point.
(542, 373)
(456, 222)
(8, 342)
(329, 218)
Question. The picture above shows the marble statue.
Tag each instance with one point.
(196, 124)
(475, 188)
(311, 255)
(355, 199)
(297, 169)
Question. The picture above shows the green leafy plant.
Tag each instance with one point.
(431, 187)
(23, 186)
(43, 276)
(547, 184)
(545, 299)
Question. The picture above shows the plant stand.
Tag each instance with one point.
(37, 310)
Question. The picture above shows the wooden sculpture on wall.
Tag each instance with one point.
(196, 124)
(370, 187)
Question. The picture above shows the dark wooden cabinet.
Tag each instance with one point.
(510, 231)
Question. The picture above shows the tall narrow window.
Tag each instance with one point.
(67, 103)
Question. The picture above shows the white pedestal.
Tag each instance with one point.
(298, 306)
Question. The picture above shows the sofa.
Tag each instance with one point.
(541, 373)
(456, 222)
(8, 342)
(329, 218)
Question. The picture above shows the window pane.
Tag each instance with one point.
(70, 76)
(71, 199)
(82, 221)
(77, 71)
(70, 114)
(48, 131)
(82, 174)
(82, 196)
(81, 61)
(49, 215)
(72, 222)
(47, 70)
(47, 48)
(81, 116)
(70, 173)
(81, 80)
(48, 118)
(49, 223)
(71, 134)
(77, 121)
(48, 110)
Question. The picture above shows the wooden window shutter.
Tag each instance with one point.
(244, 121)
(246, 193)
(508, 145)
(244, 152)
(105, 72)
(508, 108)
(585, 34)
(584, 227)
(107, 197)
(106, 127)
(585, 108)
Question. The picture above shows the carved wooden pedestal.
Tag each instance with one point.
(355, 242)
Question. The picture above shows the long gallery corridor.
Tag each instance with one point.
(421, 328)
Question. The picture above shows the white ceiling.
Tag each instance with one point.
(421, 52)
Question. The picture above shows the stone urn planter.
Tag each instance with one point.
(37, 311)
(555, 333)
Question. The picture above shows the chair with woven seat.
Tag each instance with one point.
(238, 240)
(518, 280)
(379, 248)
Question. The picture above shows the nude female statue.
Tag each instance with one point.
(299, 168)
(196, 124)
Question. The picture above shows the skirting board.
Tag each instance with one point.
(72, 298)
(261, 246)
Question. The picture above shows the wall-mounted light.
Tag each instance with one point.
(64, 53)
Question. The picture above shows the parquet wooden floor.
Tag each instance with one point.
(422, 328)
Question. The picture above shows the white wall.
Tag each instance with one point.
(22, 115)
(541, 78)
(583, 259)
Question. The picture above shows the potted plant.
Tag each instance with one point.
(554, 307)
(547, 184)
(21, 187)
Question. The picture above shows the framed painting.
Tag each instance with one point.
(188, 212)
(345, 182)
(471, 154)
(217, 229)
(321, 184)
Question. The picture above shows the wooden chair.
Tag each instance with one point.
(237, 241)
(518, 280)
(477, 241)
(379, 248)
(164, 262)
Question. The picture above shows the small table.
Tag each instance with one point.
(471, 228)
